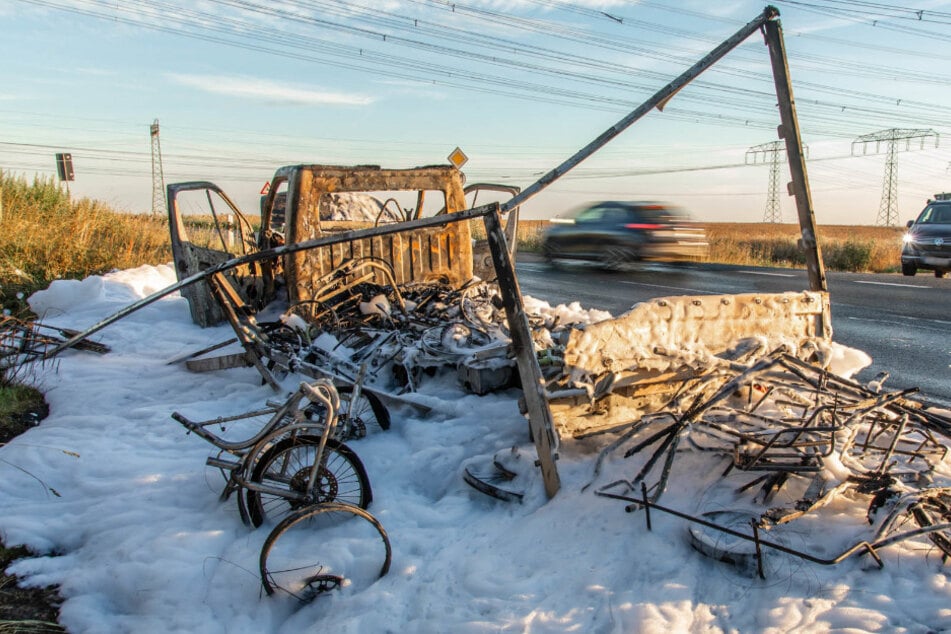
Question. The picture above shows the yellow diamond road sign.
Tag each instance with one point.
(458, 158)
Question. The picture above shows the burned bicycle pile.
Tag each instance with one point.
(384, 337)
(792, 440)
(296, 472)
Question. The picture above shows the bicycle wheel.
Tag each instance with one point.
(287, 465)
(365, 416)
(324, 547)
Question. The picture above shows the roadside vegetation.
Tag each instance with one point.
(844, 248)
(22, 610)
(44, 236)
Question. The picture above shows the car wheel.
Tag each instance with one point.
(613, 258)
(908, 269)
(550, 254)
(939, 273)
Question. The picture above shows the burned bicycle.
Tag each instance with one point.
(295, 472)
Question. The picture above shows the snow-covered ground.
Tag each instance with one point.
(138, 542)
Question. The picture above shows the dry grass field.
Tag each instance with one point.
(844, 248)
(45, 236)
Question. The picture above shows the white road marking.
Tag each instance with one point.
(770, 274)
(934, 325)
(676, 288)
(890, 284)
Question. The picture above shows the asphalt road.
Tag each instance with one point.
(903, 323)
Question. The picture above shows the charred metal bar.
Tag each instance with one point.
(636, 427)
(800, 367)
(269, 254)
(863, 546)
(650, 440)
(891, 447)
(198, 353)
(789, 132)
(659, 100)
(231, 303)
(759, 550)
(730, 386)
(661, 485)
(533, 384)
(668, 447)
(924, 519)
(647, 505)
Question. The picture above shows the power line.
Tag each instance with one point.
(469, 80)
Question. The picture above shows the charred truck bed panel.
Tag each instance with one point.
(443, 252)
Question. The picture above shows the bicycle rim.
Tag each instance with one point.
(287, 465)
(324, 548)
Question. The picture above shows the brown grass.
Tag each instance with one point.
(44, 236)
(844, 248)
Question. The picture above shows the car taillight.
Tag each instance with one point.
(637, 225)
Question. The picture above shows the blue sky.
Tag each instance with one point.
(243, 87)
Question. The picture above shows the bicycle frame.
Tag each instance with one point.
(249, 450)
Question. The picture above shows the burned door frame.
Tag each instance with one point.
(482, 264)
(190, 258)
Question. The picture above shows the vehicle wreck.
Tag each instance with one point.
(334, 270)
(377, 304)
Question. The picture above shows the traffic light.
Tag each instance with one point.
(64, 167)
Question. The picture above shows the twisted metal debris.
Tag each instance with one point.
(25, 341)
(793, 440)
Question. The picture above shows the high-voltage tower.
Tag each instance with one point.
(888, 209)
(773, 153)
(158, 175)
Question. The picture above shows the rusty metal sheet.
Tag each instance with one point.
(710, 324)
(619, 369)
(422, 254)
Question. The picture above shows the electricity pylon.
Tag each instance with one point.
(774, 154)
(888, 208)
(158, 176)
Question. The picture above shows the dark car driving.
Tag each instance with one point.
(615, 233)
(927, 243)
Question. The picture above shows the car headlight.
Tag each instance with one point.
(908, 237)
